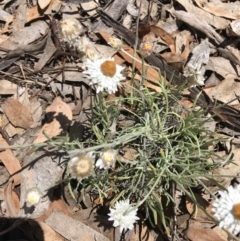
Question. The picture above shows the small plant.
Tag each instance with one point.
(156, 147)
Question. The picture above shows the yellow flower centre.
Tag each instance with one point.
(108, 68)
(115, 42)
(108, 158)
(148, 46)
(236, 210)
(32, 199)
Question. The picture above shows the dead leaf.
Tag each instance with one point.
(174, 60)
(200, 24)
(18, 114)
(217, 22)
(36, 110)
(11, 130)
(234, 28)
(4, 15)
(216, 10)
(165, 36)
(90, 7)
(43, 3)
(46, 55)
(11, 200)
(231, 54)
(49, 234)
(105, 51)
(54, 6)
(223, 67)
(11, 163)
(230, 170)
(140, 232)
(26, 35)
(55, 205)
(73, 229)
(196, 233)
(197, 22)
(27, 49)
(195, 211)
(138, 78)
(6, 26)
(144, 8)
(178, 58)
(61, 206)
(226, 91)
(7, 87)
(32, 13)
(220, 232)
(151, 74)
(60, 116)
(19, 17)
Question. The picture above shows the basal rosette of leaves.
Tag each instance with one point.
(168, 148)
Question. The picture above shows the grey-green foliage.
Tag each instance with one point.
(170, 148)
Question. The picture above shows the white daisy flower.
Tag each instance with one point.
(123, 214)
(107, 159)
(194, 74)
(227, 209)
(104, 73)
(81, 166)
(33, 196)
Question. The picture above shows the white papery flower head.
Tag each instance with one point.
(104, 73)
(227, 209)
(107, 159)
(123, 214)
(33, 196)
(146, 48)
(115, 43)
(194, 74)
(84, 45)
(70, 29)
(81, 166)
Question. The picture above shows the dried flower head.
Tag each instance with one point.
(146, 48)
(107, 159)
(115, 43)
(90, 53)
(104, 73)
(81, 166)
(70, 29)
(123, 214)
(194, 74)
(33, 196)
(227, 209)
(83, 44)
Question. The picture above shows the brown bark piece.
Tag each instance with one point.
(72, 229)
